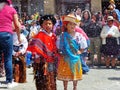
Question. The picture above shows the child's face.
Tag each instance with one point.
(71, 27)
(47, 25)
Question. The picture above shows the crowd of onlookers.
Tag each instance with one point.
(91, 22)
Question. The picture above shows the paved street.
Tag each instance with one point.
(96, 79)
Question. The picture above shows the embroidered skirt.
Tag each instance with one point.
(64, 72)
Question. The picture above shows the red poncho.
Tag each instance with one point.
(44, 45)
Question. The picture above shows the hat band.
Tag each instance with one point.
(71, 20)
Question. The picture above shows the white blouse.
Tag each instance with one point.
(79, 38)
(114, 31)
(24, 42)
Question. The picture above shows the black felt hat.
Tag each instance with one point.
(7, 1)
(47, 17)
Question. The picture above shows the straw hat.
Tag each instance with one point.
(112, 1)
(110, 18)
(70, 18)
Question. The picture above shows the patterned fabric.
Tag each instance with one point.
(19, 69)
(45, 81)
(80, 30)
(44, 45)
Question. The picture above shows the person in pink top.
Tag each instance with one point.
(84, 54)
(80, 30)
(8, 18)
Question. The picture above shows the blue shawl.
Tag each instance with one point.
(69, 48)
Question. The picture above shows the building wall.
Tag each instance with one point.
(66, 6)
(36, 6)
(49, 6)
(16, 4)
(29, 6)
(96, 5)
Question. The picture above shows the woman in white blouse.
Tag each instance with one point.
(110, 42)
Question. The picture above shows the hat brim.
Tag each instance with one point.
(110, 20)
(70, 19)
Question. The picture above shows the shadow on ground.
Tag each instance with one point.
(114, 78)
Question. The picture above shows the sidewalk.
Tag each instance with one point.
(29, 85)
(96, 79)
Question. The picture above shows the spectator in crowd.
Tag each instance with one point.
(85, 20)
(36, 15)
(84, 54)
(100, 19)
(23, 28)
(112, 7)
(57, 26)
(44, 50)
(78, 13)
(95, 41)
(71, 46)
(8, 15)
(19, 62)
(33, 29)
(110, 42)
(105, 15)
(24, 17)
(29, 21)
(116, 21)
(37, 23)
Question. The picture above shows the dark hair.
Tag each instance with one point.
(47, 17)
(6, 1)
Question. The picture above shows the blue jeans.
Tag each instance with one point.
(6, 47)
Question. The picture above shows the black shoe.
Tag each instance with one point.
(108, 67)
(113, 67)
(84, 72)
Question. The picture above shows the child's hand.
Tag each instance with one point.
(17, 53)
(78, 52)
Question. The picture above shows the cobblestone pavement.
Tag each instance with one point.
(95, 79)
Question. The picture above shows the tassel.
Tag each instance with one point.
(45, 69)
